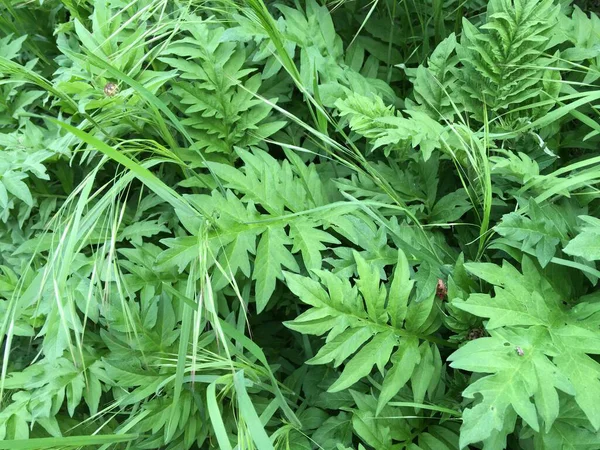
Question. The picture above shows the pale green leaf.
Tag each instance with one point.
(360, 365)
(271, 255)
(308, 239)
(342, 346)
(368, 284)
(404, 361)
(587, 243)
(423, 373)
(399, 291)
(16, 187)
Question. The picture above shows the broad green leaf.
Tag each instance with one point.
(3, 196)
(314, 321)
(587, 243)
(567, 435)
(16, 187)
(343, 313)
(508, 307)
(537, 346)
(309, 290)
(11, 45)
(451, 207)
(180, 253)
(138, 230)
(584, 374)
(426, 280)
(434, 85)
(511, 34)
(236, 257)
(335, 430)
(511, 386)
(418, 313)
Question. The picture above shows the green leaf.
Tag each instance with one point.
(248, 413)
(10, 46)
(374, 434)
(587, 243)
(423, 373)
(353, 320)
(68, 441)
(404, 361)
(451, 207)
(508, 307)
(536, 347)
(426, 280)
(435, 85)
(16, 187)
(400, 289)
(380, 348)
(342, 346)
(308, 239)
(335, 430)
(180, 253)
(566, 434)
(373, 294)
(141, 172)
(536, 235)
(309, 290)
(503, 59)
(216, 419)
(373, 120)
(137, 230)
(271, 255)
(419, 314)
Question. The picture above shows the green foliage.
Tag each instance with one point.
(435, 85)
(218, 96)
(368, 322)
(503, 60)
(586, 243)
(535, 349)
(366, 225)
(538, 233)
(373, 120)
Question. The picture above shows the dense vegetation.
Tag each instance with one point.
(369, 224)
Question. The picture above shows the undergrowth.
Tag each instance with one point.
(299, 225)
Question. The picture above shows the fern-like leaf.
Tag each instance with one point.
(503, 59)
(368, 326)
(215, 93)
(370, 118)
